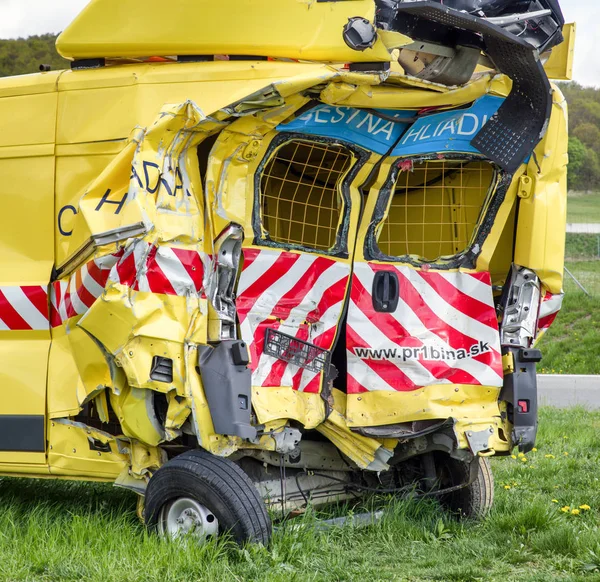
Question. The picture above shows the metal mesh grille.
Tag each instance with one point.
(435, 208)
(301, 200)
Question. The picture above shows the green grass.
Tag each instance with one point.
(583, 207)
(53, 530)
(571, 345)
(582, 246)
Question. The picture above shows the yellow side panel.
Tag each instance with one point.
(540, 243)
(560, 64)
(36, 84)
(107, 104)
(62, 377)
(26, 220)
(76, 167)
(71, 451)
(28, 120)
(277, 28)
(26, 249)
(23, 363)
(23, 358)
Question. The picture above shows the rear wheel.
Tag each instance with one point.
(473, 501)
(200, 495)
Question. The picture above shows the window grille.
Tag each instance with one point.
(301, 201)
(435, 208)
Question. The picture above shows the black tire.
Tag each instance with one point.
(474, 501)
(218, 484)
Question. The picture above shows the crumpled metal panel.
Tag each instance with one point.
(140, 273)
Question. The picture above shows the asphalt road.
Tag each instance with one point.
(565, 391)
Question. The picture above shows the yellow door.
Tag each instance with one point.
(27, 119)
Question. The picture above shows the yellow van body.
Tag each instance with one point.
(124, 185)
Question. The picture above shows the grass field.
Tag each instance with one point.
(61, 531)
(571, 345)
(583, 207)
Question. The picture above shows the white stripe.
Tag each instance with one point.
(470, 286)
(269, 298)
(261, 264)
(406, 317)
(62, 307)
(3, 326)
(363, 326)
(449, 314)
(90, 283)
(175, 272)
(23, 306)
(79, 306)
(297, 316)
(365, 376)
(551, 306)
(483, 373)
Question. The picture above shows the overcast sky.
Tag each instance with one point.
(27, 17)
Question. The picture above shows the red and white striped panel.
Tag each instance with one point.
(24, 308)
(549, 309)
(301, 295)
(167, 270)
(78, 294)
(142, 266)
(444, 331)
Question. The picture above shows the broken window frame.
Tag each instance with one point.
(467, 258)
(359, 158)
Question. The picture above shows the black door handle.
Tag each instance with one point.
(386, 292)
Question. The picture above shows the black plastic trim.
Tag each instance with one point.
(521, 386)
(512, 134)
(22, 433)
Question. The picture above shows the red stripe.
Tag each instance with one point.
(439, 327)
(397, 334)
(10, 316)
(314, 386)
(55, 318)
(466, 304)
(296, 295)
(126, 269)
(57, 299)
(353, 386)
(335, 294)
(258, 341)
(279, 366)
(545, 322)
(389, 372)
(250, 255)
(69, 305)
(84, 295)
(38, 297)
(100, 276)
(158, 282)
(248, 298)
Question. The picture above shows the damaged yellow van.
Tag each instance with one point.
(272, 253)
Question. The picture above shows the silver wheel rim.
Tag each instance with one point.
(186, 517)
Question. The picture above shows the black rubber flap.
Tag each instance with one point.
(227, 384)
(511, 135)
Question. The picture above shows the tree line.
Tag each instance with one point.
(25, 55)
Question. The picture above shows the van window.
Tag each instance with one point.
(301, 193)
(435, 208)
